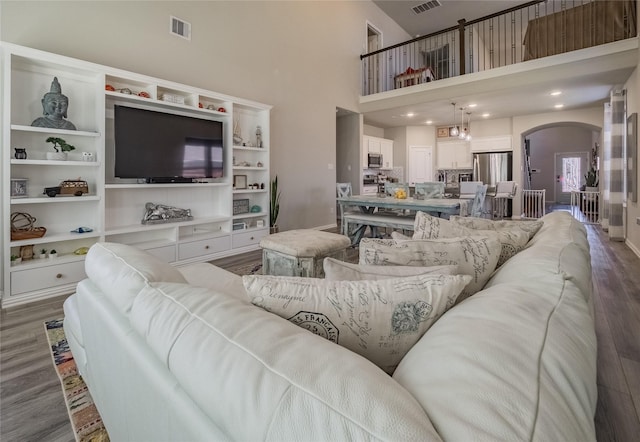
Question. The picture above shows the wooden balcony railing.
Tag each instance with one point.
(533, 30)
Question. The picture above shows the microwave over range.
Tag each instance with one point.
(375, 161)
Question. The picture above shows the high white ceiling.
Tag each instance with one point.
(585, 77)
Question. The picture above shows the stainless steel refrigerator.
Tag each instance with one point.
(491, 168)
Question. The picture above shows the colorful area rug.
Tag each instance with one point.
(85, 420)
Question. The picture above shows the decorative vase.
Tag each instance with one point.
(20, 154)
(57, 156)
(273, 229)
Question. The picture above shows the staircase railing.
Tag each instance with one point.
(533, 30)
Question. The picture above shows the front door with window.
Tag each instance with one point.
(569, 172)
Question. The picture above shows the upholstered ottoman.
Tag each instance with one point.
(301, 252)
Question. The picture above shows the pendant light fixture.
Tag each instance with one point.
(461, 132)
(468, 137)
(454, 130)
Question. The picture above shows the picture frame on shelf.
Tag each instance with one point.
(240, 206)
(240, 182)
(19, 188)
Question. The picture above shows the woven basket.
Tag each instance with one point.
(36, 232)
(22, 227)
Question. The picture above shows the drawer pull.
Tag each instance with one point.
(206, 247)
(252, 238)
(59, 275)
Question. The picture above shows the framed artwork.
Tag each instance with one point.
(632, 157)
(443, 132)
(240, 206)
(19, 188)
(240, 181)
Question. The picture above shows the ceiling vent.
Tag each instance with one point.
(424, 7)
(180, 27)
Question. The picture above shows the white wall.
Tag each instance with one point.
(300, 57)
(545, 143)
(348, 144)
(525, 124)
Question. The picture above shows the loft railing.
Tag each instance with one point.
(533, 30)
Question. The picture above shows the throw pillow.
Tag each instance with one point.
(474, 255)
(336, 270)
(531, 227)
(430, 227)
(380, 320)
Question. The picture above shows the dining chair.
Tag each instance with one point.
(478, 201)
(430, 189)
(390, 188)
(468, 189)
(344, 190)
(505, 191)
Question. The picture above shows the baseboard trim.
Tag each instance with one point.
(633, 248)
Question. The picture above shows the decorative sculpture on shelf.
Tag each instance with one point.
(54, 109)
(159, 213)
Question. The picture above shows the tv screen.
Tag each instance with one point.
(161, 146)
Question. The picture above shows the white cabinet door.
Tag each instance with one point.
(374, 145)
(386, 149)
(453, 155)
(463, 156)
(499, 143)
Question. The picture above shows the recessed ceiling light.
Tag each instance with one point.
(486, 115)
(559, 106)
(428, 122)
(410, 114)
(472, 105)
(555, 93)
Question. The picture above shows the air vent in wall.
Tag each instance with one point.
(180, 27)
(424, 7)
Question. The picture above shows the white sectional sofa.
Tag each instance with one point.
(182, 355)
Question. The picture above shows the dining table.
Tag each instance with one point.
(371, 204)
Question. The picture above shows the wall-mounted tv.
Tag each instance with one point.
(163, 147)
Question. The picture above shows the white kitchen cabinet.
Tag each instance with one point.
(453, 155)
(377, 145)
(499, 143)
(386, 149)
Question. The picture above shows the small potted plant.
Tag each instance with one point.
(53, 254)
(61, 148)
(15, 259)
(43, 253)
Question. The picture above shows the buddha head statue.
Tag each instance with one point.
(54, 108)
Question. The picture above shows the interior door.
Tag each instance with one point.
(420, 164)
(570, 168)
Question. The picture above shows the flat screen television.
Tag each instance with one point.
(163, 148)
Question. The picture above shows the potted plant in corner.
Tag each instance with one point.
(274, 208)
(53, 254)
(591, 180)
(61, 148)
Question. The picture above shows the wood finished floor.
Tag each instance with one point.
(32, 407)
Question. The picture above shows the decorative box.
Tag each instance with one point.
(240, 206)
(19, 188)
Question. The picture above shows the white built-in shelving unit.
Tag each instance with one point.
(113, 208)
